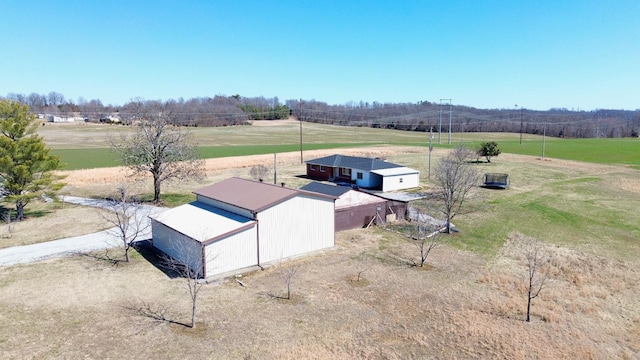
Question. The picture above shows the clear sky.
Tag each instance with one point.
(576, 54)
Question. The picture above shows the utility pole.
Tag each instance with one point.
(449, 122)
(430, 149)
(521, 123)
(544, 134)
(440, 124)
(300, 119)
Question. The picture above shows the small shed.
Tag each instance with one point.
(496, 180)
(353, 209)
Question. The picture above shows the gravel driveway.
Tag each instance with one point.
(79, 244)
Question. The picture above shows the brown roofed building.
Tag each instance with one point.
(239, 223)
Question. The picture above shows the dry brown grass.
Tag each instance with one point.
(61, 220)
(460, 308)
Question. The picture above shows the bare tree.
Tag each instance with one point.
(537, 270)
(188, 264)
(426, 236)
(127, 219)
(55, 98)
(362, 267)
(259, 172)
(287, 274)
(455, 177)
(158, 147)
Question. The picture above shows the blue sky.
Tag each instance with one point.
(487, 54)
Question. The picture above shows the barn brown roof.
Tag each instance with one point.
(251, 195)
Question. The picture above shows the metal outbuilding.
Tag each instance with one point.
(239, 223)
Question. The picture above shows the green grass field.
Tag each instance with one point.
(555, 204)
(90, 148)
(588, 206)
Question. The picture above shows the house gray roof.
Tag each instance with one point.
(250, 195)
(353, 162)
(327, 189)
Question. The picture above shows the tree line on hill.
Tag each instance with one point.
(422, 116)
(426, 116)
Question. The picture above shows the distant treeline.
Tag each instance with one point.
(422, 116)
(426, 116)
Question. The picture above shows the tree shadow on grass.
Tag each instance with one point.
(105, 257)
(28, 213)
(293, 299)
(156, 313)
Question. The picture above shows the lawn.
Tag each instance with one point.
(90, 147)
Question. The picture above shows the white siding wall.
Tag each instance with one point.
(178, 246)
(297, 226)
(232, 253)
(392, 182)
(368, 180)
(224, 206)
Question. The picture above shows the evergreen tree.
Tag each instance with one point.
(488, 150)
(26, 168)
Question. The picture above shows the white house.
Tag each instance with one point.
(368, 173)
(239, 223)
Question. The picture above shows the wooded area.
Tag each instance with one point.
(423, 116)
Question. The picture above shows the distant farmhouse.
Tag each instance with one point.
(237, 224)
(367, 173)
(57, 119)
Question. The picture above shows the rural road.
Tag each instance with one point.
(79, 244)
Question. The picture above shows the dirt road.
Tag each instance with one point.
(79, 244)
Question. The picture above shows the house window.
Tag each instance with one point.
(322, 169)
(313, 167)
(345, 171)
(359, 176)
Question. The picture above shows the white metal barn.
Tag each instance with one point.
(238, 223)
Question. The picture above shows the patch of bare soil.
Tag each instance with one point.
(81, 182)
